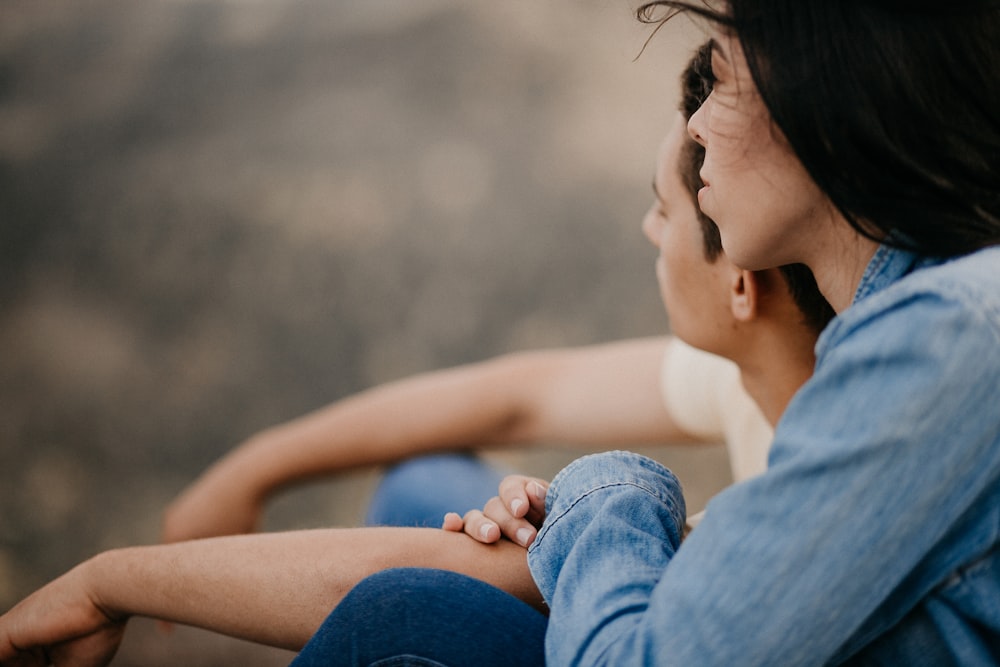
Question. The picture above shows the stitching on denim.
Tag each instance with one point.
(874, 269)
(645, 462)
(666, 501)
(556, 483)
(407, 660)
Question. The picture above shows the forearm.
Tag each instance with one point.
(277, 588)
(466, 407)
(595, 396)
(590, 395)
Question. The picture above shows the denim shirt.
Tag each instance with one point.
(871, 539)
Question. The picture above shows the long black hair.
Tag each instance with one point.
(892, 106)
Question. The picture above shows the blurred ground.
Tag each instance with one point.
(217, 215)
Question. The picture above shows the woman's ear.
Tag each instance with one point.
(744, 295)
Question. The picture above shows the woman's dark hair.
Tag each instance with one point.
(892, 106)
(696, 84)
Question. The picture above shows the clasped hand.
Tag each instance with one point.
(516, 513)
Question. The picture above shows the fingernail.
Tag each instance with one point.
(516, 505)
(538, 490)
(523, 535)
(484, 531)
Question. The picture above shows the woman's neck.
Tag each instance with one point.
(839, 266)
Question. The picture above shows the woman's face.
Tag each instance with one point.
(767, 207)
(694, 290)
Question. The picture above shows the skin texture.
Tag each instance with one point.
(695, 292)
(275, 588)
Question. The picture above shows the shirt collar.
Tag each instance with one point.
(888, 265)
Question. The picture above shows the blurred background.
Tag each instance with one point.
(218, 215)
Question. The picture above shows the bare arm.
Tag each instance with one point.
(273, 588)
(591, 395)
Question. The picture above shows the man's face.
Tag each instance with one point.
(695, 291)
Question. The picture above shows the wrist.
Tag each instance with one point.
(94, 575)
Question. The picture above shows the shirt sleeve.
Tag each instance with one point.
(889, 445)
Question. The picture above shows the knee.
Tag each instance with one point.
(396, 590)
(378, 588)
(418, 492)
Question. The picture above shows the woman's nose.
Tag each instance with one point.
(695, 125)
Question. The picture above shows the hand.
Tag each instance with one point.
(517, 513)
(217, 503)
(60, 624)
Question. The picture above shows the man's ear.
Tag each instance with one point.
(744, 295)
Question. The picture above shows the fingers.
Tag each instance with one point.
(481, 528)
(453, 522)
(516, 513)
(494, 521)
(525, 497)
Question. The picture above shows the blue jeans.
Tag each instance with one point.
(427, 618)
(421, 617)
(420, 491)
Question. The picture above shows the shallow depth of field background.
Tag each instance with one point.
(217, 215)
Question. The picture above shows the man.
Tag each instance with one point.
(277, 588)
(750, 317)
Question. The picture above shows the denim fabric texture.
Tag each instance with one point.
(871, 539)
(413, 617)
(614, 521)
(427, 618)
(420, 491)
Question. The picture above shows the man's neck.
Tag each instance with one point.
(775, 369)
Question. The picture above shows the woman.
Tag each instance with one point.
(861, 138)
(873, 534)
